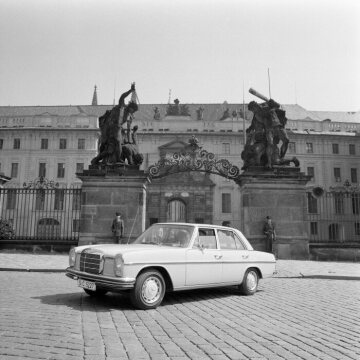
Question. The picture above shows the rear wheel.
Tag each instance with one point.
(97, 292)
(149, 290)
(250, 282)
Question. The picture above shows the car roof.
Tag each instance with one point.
(195, 224)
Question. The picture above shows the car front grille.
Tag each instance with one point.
(90, 263)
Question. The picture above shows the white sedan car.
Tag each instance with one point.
(170, 257)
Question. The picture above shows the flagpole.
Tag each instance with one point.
(269, 83)
(244, 133)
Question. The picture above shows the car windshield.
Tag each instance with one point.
(167, 235)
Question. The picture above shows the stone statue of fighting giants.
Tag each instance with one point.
(264, 134)
(118, 144)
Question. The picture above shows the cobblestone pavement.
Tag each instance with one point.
(46, 316)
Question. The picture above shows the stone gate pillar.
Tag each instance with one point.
(280, 194)
(105, 192)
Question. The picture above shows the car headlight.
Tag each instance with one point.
(118, 265)
(72, 256)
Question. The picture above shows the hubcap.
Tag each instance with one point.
(151, 290)
(251, 280)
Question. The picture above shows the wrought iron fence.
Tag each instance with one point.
(41, 213)
(334, 216)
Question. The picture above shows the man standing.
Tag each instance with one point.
(117, 228)
(269, 231)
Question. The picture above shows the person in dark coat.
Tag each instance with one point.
(117, 228)
(269, 231)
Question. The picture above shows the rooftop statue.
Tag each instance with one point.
(177, 109)
(114, 138)
(264, 134)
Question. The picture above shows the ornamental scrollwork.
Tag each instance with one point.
(41, 183)
(193, 158)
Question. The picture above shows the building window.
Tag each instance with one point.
(42, 170)
(309, 148)
(199, 220)
(333, 232)
(355, 202)
(48, 228)
(62, 144)
(76, 203)
(44, 144)
(226, 203)
(313, 228)
(311, 172)
(352, 149)
(1, 143)
(14, 170)
(75, 225)
(61, 170)
(226, 148)
(339, 203)
(337, 174)
(59, 199)
(79, 167)
(40, 199)
(335, 148)
(292, 147)
(11, 199)
(353, 174)
(16, 143)
(312, 204)
(357, 228)
(81, 144)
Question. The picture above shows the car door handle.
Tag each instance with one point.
(245, 256)
(217, 257)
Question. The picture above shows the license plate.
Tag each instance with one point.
(87, 284)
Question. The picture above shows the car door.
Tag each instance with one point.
(234, 256)
(203, 260)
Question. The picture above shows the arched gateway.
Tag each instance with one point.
(181, 188)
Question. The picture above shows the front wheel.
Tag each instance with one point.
(250, 282)
(149, 290)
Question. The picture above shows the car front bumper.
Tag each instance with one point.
(103, 282)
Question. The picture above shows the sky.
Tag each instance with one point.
(53, 52)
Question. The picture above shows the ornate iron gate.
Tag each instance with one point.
(40, 213)
(334, 216)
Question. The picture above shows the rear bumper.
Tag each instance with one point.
(103, 282)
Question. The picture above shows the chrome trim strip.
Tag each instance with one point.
(199, 262)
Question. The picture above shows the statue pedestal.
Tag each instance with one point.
(278, 193)
(106, 191)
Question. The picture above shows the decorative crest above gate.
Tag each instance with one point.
(41, 183)
(193, 158)
(347, 188)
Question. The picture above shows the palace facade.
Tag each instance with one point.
(56, 142)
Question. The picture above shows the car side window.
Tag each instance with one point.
(229, 241)
(207, 238)
(226, 240)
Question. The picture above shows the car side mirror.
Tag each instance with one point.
(201, 246)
